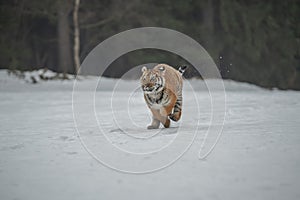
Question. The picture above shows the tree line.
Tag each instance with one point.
(258, 41)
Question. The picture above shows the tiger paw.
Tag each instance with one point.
(167, 123)
(152, 127)
(174, 117)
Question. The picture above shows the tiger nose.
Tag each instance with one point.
(147, 85)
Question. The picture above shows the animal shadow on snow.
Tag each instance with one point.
(138, 131)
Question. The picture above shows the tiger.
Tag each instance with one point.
(162, 89)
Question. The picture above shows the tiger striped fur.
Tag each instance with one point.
(162, 87)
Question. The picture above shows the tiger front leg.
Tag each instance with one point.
(156, 119)
(154, 125)
(166, 122)
(165, 112)
(159, 118)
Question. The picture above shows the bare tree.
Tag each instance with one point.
(63, 30)
(76, 36)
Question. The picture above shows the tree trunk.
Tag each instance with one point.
(63, 31)
(76, 36)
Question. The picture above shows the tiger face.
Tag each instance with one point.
(152, 81)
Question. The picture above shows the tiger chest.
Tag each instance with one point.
(157, 101)
(156, 106)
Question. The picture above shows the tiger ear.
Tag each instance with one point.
(144, 68)
(162, 70)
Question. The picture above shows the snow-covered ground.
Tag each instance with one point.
(53, 149)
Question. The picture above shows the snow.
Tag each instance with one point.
(42, 156)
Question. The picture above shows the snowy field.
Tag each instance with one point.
(53, 149)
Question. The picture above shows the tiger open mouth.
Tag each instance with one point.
(152, 89)
(148, 89)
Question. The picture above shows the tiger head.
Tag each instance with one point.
(152, 81)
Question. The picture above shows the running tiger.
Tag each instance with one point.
(162, 87)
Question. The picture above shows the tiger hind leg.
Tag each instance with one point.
(175, 116)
